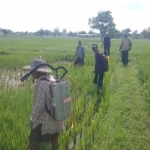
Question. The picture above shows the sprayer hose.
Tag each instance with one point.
(75, 98)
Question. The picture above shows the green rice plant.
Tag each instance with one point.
(89, 131)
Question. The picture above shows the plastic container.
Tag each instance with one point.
(61, 100)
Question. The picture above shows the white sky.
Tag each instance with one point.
(31, 15)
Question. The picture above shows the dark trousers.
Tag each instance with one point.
(107, 51)
(79, 61)
(36, 138)
(125, 57)
(98, 79)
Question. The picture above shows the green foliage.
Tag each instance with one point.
(146, 33)
(116, 122)
(102, 22)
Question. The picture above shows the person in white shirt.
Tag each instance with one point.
(125, 47)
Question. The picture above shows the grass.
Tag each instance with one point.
(127, 123)
(119, 122)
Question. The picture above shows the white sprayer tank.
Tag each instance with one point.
(61, 100)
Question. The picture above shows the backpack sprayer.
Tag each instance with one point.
(60, 93)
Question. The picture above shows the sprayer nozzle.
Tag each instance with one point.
(25, 77)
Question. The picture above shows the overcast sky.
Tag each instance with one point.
(31, 15)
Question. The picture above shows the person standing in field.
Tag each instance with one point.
(125, 47)
(43, 127)
(80, 54)
(101, 66)
(107, 44)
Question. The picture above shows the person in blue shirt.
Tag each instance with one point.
(80, 54)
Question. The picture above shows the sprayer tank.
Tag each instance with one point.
(61, 100)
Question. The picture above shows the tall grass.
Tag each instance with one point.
(15, 103)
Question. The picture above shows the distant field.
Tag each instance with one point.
(120, 122)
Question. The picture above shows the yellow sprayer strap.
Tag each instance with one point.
(75, 98)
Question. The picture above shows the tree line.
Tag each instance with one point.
(103, 22)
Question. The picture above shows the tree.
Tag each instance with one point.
(74, 34)
(47, 32)
(127, 30)
(135, 34)
(91, 32)
(26, 33)
(40, 32)
(144, 33)
(64, 31)
(102, 22)
(71, 33)
(56, 32)
(118, 34)
(6, 31)
(81, 32)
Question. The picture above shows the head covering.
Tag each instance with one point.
(106, 33)
(125, 33)
(94, 45)
(36, 62)
(79, 42)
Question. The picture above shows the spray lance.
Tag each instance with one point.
(86, 44)
(60, 93)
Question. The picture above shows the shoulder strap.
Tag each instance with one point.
(45, 79)
(46, 108)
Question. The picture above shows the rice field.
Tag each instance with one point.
(120, 122)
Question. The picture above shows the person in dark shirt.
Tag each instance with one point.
(100, 67)
(107, 44)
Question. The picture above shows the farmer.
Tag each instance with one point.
(107, 44)
(80, 54)
(125, 47)
(43, 127)
(100, 67)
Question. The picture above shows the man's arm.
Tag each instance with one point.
(102, 43)
(38, 104)
(130, 43)
(121, 45)
(75, 55)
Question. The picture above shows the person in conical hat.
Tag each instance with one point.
(43, 127)
(36, 62)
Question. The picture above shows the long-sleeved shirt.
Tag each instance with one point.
(100, 63)
(39, 115)
(126, 44)
(80, 52)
